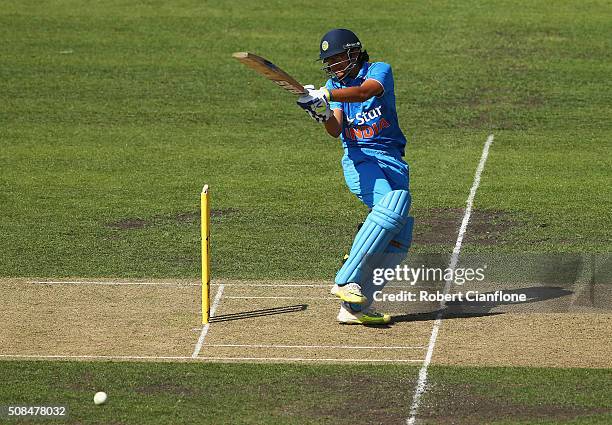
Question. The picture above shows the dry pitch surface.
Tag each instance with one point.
(279, 322)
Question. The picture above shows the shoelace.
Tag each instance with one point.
(353, 287)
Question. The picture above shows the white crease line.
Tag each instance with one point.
(283, 298)
(359, 347)
(37, 356)
(136, 283)
(306, 359)
(283, 285)
(205, 328)
(111, 283)
(422, 381)
(256, 285)
(77, 282)
(263, 359)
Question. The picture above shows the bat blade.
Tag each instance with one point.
(270, 71)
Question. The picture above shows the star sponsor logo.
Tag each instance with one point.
(364, 117)
(366, 124)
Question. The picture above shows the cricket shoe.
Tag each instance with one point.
(366, 317)
(350, 293)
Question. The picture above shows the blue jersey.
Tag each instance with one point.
(372, 124)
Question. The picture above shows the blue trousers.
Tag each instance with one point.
(371, 174)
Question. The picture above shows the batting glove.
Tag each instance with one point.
(322, 93)
(315, 104)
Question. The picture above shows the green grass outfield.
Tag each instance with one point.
(113, 115)
(302, 394)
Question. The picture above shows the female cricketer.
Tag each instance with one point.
(357, 104)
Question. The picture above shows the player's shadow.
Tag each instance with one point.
(472, 309)
(259, 313)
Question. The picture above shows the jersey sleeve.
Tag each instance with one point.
(381, 72)
(332, 105)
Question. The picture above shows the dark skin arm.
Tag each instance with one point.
(334, 124)
(368, 89)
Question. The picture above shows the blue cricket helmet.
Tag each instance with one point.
(337, 41)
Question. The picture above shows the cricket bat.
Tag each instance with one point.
(270, 71)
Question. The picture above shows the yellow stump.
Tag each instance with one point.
(205, 211)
